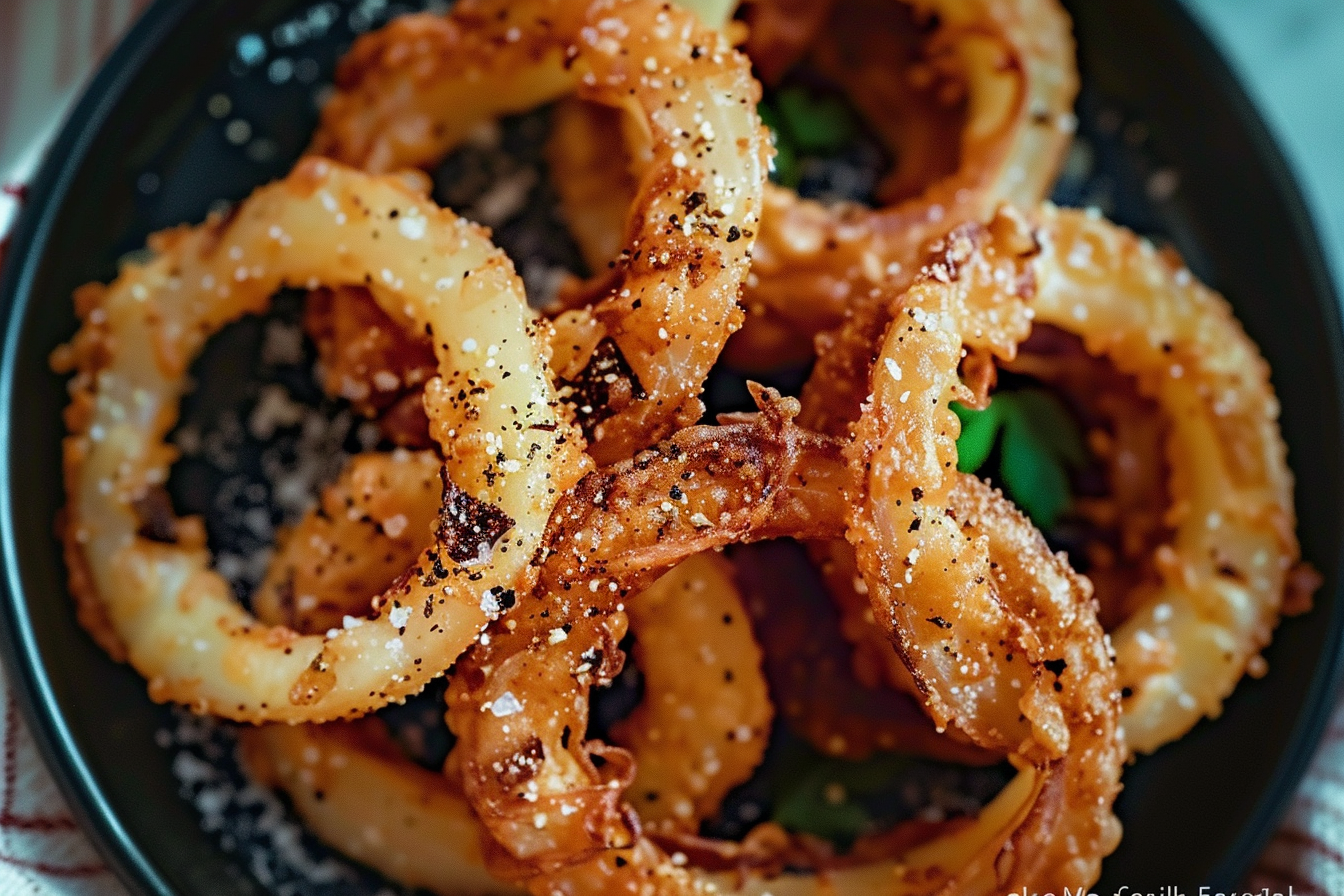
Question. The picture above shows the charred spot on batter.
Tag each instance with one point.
(467, 525)
(604, 387)
(154, 510)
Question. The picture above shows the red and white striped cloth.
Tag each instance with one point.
(47, 50)
(42, 850)
(1307, 853)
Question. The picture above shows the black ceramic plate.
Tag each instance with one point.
(184, 115)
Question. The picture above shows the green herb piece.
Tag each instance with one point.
(979, 429)
(786, 170)
(807, 810)
(1032, 477)
(818, 794)
(817, 124)
(1040, 444)
(805, 124)
(1050, 424)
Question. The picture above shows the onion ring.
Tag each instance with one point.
(1233, 549)
(511, 454)
(609, 538)
(355, 791)
(407, 93)
(1187, 629)
(812, 263)
(904, 461)
(1000, 635)
(704, 722)
(833, 395)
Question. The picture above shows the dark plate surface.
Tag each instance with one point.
(149, 147)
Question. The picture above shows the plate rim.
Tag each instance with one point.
(1292, 766)
(29, 678)
(27, 674)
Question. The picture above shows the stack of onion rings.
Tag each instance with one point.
(562, 498)
(1011, 64)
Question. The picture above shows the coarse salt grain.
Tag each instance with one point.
(394, 526)
(504, 705)
(413, 228)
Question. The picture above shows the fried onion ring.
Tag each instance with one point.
(904, 461)
(833, 395)
(1016, 60)
(703, 725)
(1186, 629)
(1001, 636)
(352, 787)
(409, 92)
(609, 538)
(1233, 548)
(510, 455)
